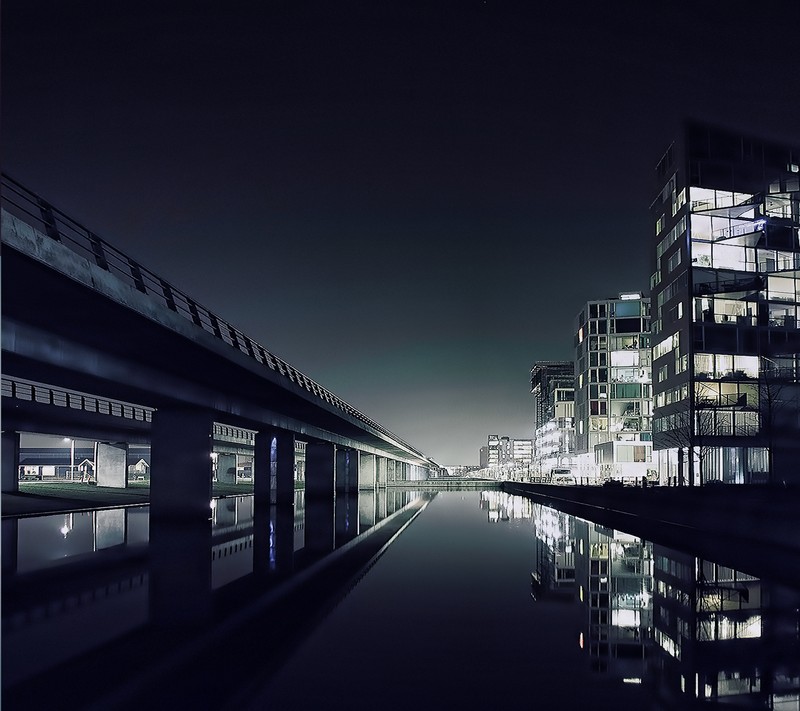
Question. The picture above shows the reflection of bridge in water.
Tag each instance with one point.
(75, 582)
(96, 345)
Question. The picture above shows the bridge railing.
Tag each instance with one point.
(35, 211)
(48, 395)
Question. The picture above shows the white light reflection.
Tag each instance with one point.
(68, 525)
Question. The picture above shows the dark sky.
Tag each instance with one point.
(409, 201)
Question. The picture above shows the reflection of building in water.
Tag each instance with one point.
(613, 572)
(505, 507)
(553, 575)
(722, 636)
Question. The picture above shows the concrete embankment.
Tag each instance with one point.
(753, 526)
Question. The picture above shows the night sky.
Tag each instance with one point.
(408, 201)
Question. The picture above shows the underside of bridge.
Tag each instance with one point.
(70, 324)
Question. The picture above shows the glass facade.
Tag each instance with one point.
(613, 386)
(725, 307)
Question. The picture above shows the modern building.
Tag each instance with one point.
(613, 398)
(712, 627)
(614, 580)
(552, 381)
(725, 292)
(522, 451)
(553, 390)
(503, 451)
(499, 450)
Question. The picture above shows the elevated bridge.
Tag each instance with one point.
(82, 319)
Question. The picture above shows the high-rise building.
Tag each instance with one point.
(613, 398)
(725, 292)
(551, 381)
(553, 390)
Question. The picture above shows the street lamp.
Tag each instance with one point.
(71, 457)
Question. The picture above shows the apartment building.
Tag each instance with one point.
(613, 388)
(725, 292)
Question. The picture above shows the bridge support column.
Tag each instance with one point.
(273, 541)
(380, 471)
(391, 472)
(226, 468)
(10, 462)
(367, 506)
(400, 471)
(180, 568)
(10, 545)
(367, 472)
(273, 467)
(381, 503)
(320, 467)
(347, 469)
(347, 527)
(180, 482)
(111, 465)
(320, 496)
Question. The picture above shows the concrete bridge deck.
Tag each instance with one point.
(90, 324)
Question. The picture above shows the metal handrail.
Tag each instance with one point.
(73, 400)
(38, 213)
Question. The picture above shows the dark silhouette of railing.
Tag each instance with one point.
(38, 213)
(48, 395)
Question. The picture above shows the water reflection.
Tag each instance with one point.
(695, 632)
(690, 631)
(73, 582)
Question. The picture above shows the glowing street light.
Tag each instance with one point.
(71, 457)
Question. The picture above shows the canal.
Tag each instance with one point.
(452, 599)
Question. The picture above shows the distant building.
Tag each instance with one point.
(504, 451)
(726, 299)
(551, 380)
(522, 451)
(613, 396)
(499, 450)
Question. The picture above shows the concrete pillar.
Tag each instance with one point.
(400, 471)
(391, 471)
(320, 468)
(381, 506)
(367, 502)
(366, 471)
(273, 467)
(180, 474)
(346, 515)
(10, 462)
(111, 464)
(9, 545)
(347, 469)
(273, 541)
(320, 496)
(226, 468)
(319, 528)
(380, 471)
(180, 569)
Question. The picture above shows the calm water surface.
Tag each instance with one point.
(446, 619)
(484, 600)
